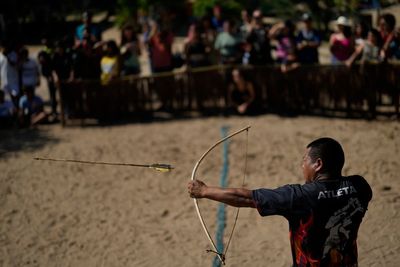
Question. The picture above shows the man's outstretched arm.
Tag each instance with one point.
(237, 197)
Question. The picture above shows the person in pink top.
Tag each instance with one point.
(161, 49)
(341, 42)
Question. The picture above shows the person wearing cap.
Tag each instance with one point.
(308, 40)
(341, 42)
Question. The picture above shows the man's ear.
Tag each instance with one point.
(318, 165)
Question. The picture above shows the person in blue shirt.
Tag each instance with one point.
(87, 28)
(31, 108)
(308, 40)
(7, 111)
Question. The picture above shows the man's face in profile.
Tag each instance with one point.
(307, 166)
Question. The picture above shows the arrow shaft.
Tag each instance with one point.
(96, 162)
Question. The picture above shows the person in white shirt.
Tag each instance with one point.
(30, 75)
(9, 78)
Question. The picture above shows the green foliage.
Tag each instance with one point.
(229, 7)
(127, 9)
(281, 8)
(346, 6)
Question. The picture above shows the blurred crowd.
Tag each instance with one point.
(210, 40)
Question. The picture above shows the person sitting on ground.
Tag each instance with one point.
(7, 111)
(31, 108)
(241, 93)
(324, 214)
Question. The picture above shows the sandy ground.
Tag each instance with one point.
(63, 214)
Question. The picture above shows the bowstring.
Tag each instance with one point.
(244, 179)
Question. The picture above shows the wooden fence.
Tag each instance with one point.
(325, 90)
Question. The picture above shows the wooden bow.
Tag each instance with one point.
(221, 255)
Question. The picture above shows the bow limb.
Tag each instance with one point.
(220, 255)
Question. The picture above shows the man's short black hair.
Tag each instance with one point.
(330, 152)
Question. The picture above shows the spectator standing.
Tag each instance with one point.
(9, 76)
(308, 40)
(62, 63)
(161, 49)
(245, 27)
(395, 44)
(341, 42)
(387, 24)
(130, 51)
(46, 68)
(216, 21)
(29, 70)
(86, 60)
(360, 33)
(195, 48)
(257, 41)
(227, 45)
(208, 35)
(87, 28)
(283, 33)
(369, 50)
(110, 63)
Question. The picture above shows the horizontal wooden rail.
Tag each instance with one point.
(320, 89)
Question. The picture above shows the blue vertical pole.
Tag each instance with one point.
(221, 214)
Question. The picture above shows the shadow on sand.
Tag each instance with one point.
(13, 140)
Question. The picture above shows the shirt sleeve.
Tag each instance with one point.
(277, 201)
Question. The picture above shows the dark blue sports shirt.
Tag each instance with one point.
(324, 217)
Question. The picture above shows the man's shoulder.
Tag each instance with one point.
(361, 184)
(357, 180)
